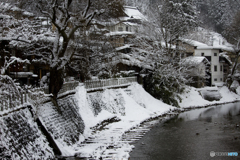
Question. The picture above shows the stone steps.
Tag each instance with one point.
(114, 147)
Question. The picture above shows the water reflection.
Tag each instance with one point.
(210, 113)
(193, 135)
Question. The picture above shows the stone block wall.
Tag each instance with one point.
(21, 138)
(64, 127)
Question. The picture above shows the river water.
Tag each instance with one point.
(193, 135)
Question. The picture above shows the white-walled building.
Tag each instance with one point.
(219, 63)
(216, 49)
(198, 71)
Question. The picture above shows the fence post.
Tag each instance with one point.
(25, 97)
(109, 82)
(10, 102)
(1, 106)
(22, 98)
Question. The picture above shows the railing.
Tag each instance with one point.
(114, 82)
(68, 86)
(35, 96)
(10, 102)
(39, 95)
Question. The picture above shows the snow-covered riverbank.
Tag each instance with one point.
(130, 106)
(192, 98)
(103, 124)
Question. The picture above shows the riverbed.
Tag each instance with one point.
(193, 135)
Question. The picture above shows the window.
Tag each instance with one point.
(221, 79)
(120, 29)
(215, 79)
(13, 52)
(215, 68)
(202, 54)
(127, 28)
(221, 68)
(215, 54)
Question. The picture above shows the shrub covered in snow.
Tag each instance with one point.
(165, 83)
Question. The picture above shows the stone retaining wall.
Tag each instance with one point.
(21, 138)
(64, 127)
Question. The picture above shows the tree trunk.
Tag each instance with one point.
(230, 80)
(56, 82)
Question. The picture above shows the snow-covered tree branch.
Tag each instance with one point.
(232, 34)
(8, 87)
(181, 17)
(10, 62)
(66, 19)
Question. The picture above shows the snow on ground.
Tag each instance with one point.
(131, 106)
(192, 97)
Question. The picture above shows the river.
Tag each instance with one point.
(193, 135)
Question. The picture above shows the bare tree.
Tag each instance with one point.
(58, 48)
(173, 19)
(66, 21)
(232, 34)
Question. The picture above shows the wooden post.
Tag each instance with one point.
(25, 97)
(10, 102)
(22, 98)
(1, 106)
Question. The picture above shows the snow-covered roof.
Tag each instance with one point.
(119, 33)
(225, 48)
(9, 7)
(28, 13)
(46, 23)
(5, 38)
(123, 47)
(130, 24)
(4, 5)
(195, 60)
(172, 46)
(194, 43)
(218, 42)
(226, 57)
(23, 74)
(4, 16)
(209, 40)
(133, 12)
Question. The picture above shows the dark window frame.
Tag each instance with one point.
(120, 29)
(215, 68)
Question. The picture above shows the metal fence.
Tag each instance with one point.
(34, 96)
(11, 101)
(91, 84)
(68, 86)
(38, 95)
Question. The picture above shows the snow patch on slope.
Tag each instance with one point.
(192, 97)
(131, 106)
